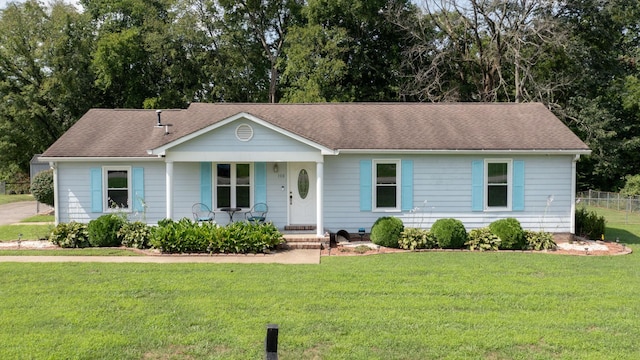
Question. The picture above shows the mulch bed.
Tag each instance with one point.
(578, 247)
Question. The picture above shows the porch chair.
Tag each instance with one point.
(201, 212)
(258, 213)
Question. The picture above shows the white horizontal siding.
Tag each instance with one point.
(74, 203)
(224, 139)
(442, 189)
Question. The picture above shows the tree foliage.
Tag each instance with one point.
(578, 57)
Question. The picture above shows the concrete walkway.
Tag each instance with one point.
(297, 256)
(15, 212)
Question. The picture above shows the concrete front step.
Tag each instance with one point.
(301, 245)
(304, 241)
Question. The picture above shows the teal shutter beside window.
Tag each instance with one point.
(96, 190)
(260, 187)
(407, 185)
(518, 185)
(137, 179)
(365, 185)
(205, 184)
(477, 185)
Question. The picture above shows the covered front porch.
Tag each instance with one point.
(292, 191)
(242, 161)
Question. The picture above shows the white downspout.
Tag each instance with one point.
(169, 189)
(319, 199)
(56, 194)
(573, 193)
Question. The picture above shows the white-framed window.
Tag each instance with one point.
(117, 187)
(386, 180)
(497, 183)
(233, 185)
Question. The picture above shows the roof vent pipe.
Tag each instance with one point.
(159, 112)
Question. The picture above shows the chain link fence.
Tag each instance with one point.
(630, 205)
(609, 200)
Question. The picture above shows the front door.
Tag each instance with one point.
(302, 193)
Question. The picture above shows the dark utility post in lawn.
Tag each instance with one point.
(271, 342)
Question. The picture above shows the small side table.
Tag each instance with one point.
(230, 211)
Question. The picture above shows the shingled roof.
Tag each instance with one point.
(337, 126)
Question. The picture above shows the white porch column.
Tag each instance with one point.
(319, 199)
(169, 188)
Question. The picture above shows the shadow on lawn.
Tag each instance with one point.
(623, 235)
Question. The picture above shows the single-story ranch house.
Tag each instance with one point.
(322, 167)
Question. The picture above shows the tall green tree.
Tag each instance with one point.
(45, 77)
(143, 57)
(350, 46)
(267, 23)
(600, 105)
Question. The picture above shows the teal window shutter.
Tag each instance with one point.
(205, 184)
(518, 186)
(96, 190)
(365, 185)
(137, 179)
(407, 185)
(477, 185)
(260, 187)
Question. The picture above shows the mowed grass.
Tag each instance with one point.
(25, 232)
(621, 225)
(443, 305)
(440, 305)
(5, 199)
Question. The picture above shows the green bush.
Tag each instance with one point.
(539, 240)
(482, 240)
(70, 235)
(103, 231)
(247, 237)
(589, 224)
(135, 235)
(450, 233)
(414, 238)
(510, 233)
(185, 236)
(386, 231)
(631, 186)
(42, 187)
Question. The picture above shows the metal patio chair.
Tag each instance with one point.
(201, 213)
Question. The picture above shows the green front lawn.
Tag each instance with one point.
(448, 305)
(429, 305)
(5, 199)
(25, 232)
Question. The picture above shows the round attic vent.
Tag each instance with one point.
(244, 132)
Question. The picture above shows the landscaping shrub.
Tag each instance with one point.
(185, 236)
(450, 233)
(589, 224)
(70, 235)
(386, 231)
(103, 231)
(414, 238)
(539, 240)
(42, 187)
(510, 233)
(247, 237)
(482, 239)
(135, 235)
